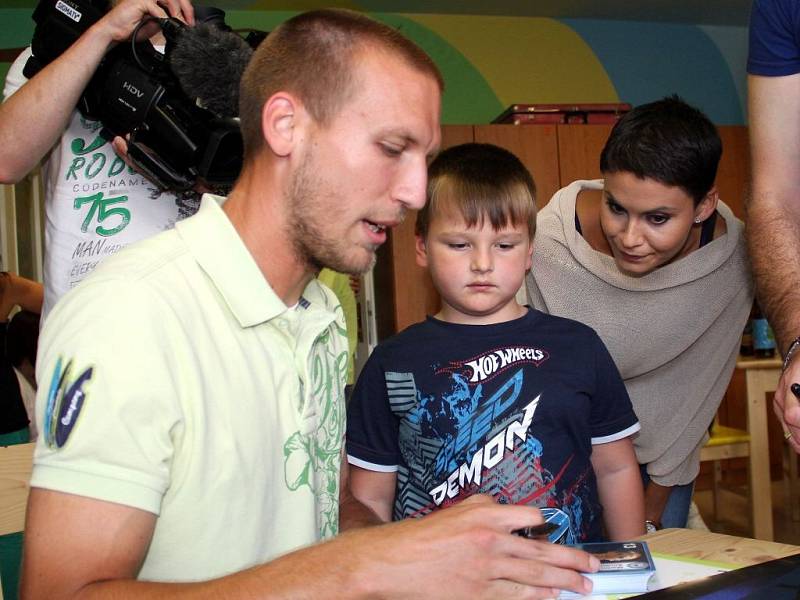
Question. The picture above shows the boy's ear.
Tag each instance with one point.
(529, 260)
(421, 251)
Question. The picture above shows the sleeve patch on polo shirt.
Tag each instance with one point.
(65, 400)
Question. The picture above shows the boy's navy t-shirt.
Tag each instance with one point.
(510, 409)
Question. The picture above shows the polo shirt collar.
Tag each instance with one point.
(216, 246)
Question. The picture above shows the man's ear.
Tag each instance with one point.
(279, 120)
(421, 251)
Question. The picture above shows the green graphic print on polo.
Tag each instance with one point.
(313, 458)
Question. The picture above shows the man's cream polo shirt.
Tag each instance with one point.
(175, 381)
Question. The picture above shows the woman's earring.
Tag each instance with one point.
(697, 220)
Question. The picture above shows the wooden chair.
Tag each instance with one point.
(724, 443)
(761, 377)
(16, 463)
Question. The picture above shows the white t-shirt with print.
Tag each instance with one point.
(94, 203)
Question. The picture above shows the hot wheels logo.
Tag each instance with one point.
(497, 361)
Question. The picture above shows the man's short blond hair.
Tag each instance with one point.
(311, 56)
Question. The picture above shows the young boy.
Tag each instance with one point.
(490, 396)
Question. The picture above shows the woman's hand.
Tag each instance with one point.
(655, 500)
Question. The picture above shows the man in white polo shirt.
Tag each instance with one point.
(192, 407)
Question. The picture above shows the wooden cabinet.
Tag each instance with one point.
(733, 176)
(579, 150)
(538, 151)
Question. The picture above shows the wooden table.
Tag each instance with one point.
(761, 376)
(704, 545)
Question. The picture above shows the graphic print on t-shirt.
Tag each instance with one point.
(476, 433)
(96, 206)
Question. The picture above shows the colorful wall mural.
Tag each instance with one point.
(490, 62)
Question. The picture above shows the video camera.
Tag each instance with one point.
(178, 109)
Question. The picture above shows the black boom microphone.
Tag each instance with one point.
(178, 110)
(209, 64)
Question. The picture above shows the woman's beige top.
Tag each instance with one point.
(673, 333)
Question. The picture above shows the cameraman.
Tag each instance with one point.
(94, 203)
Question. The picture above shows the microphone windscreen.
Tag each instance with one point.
(208, 64)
